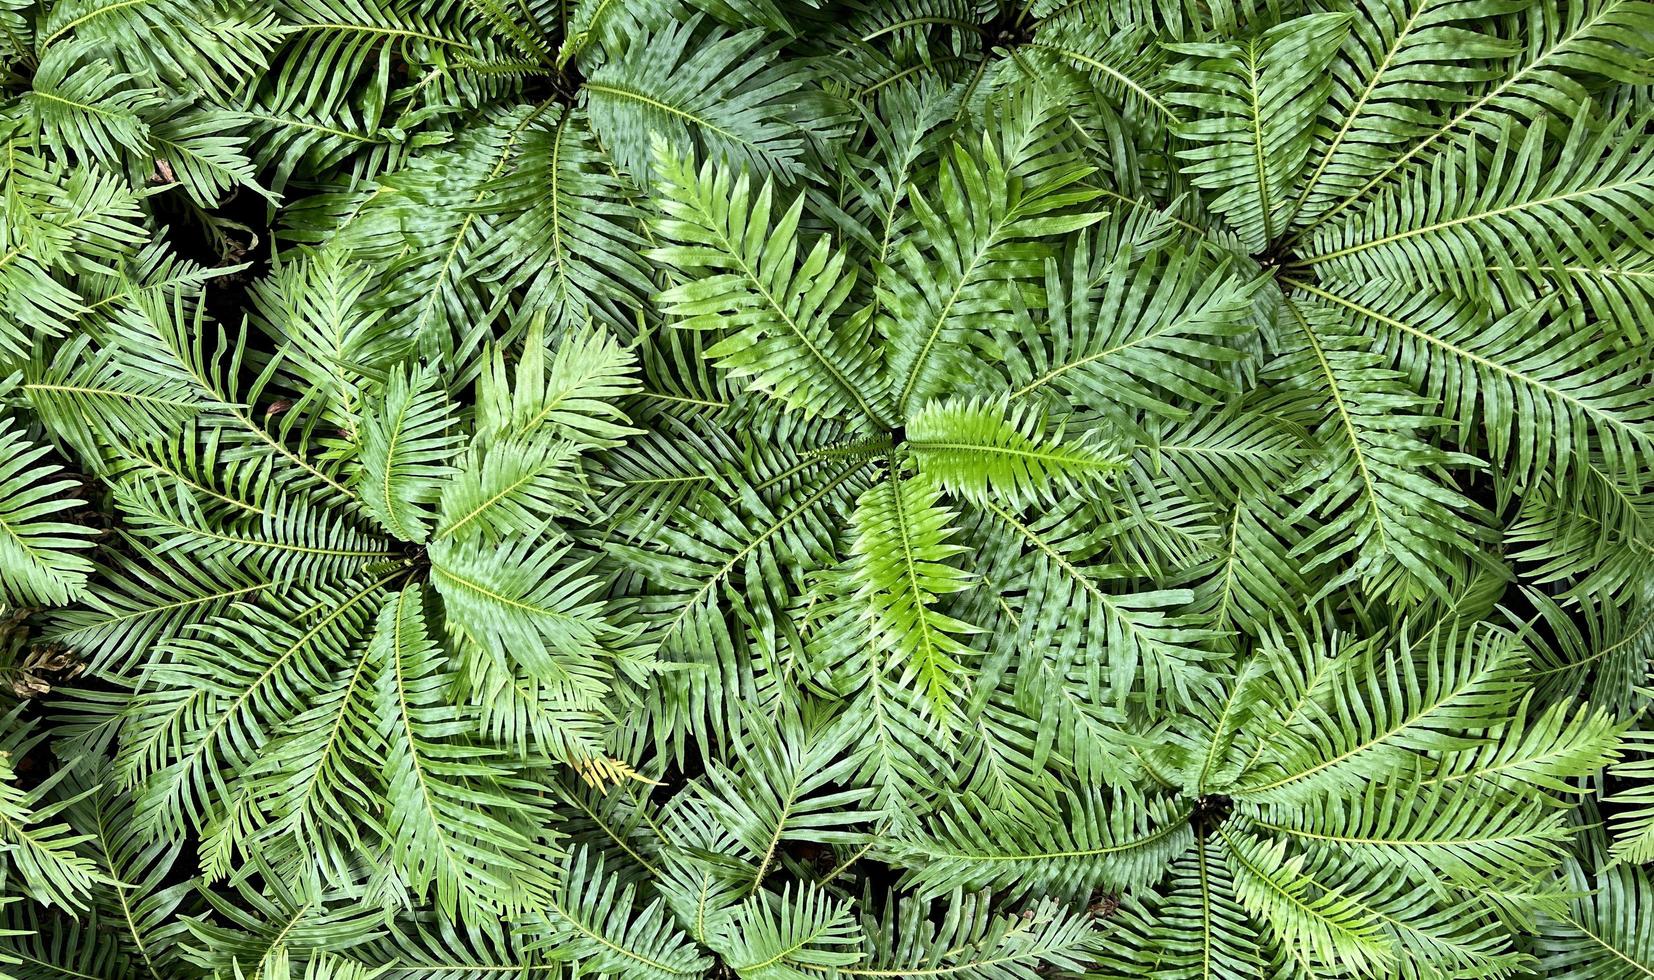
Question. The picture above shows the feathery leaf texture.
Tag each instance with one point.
(784, 490)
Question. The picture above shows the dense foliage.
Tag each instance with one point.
(783, 489)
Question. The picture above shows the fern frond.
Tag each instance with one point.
(779, 311)
(1572, 391)
(1435, 700)
(405, 449)
(790, 937)
(1597, 934)
(722, 93)
(982, 450)
(567, 394)
(86, 110)
(1148, 340)
(974, 250)
(1257, 102)
(41, 560)
(454, 823)
(521, 602)
(974, 944)
(900, 571)
(1399, 53)
(40, 847)
(1328, 927)
(1094, 843)
(777, 795)
(594, 918)
(1383, 512)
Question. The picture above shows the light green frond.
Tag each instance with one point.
(1615, 292)
(1326, 927)
(71, 949)
(986, 450)
(900, 571)
(243, 924)
(429, 227)
(496, 491)
(606, 24)
(900, 741)
(1123, 64)
(1431, 935)
(321, 102)
(429, 947)
(1555, 749)
(94, 396)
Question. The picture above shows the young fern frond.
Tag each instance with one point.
(900, 568)
(984, 451)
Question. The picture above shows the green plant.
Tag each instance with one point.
(793, 490)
